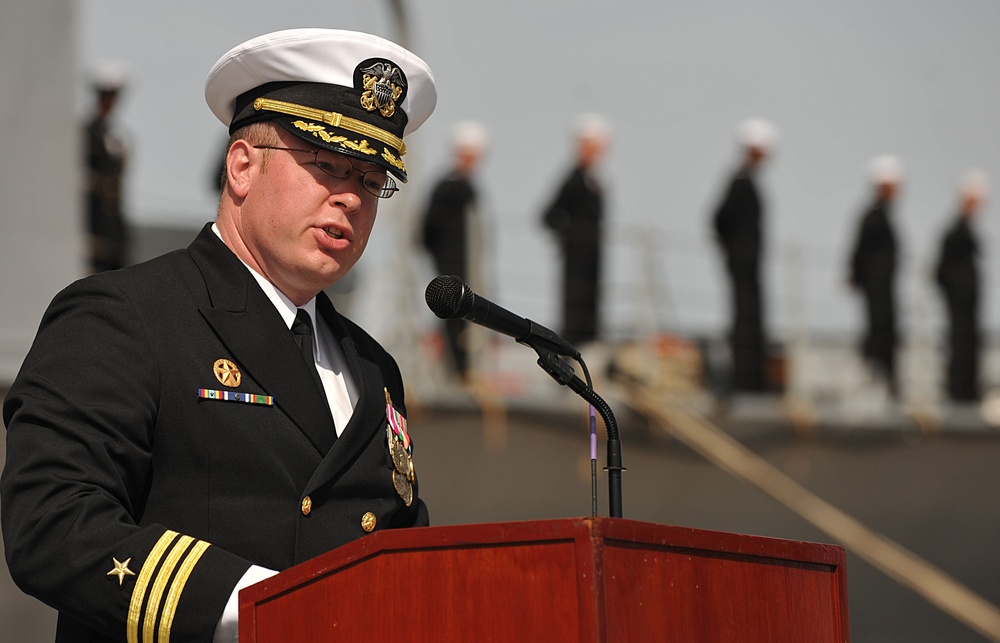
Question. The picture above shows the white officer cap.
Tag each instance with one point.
(345, 91)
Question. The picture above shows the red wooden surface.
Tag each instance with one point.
(588, 579)
(718, 586)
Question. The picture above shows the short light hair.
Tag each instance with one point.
(260, 133)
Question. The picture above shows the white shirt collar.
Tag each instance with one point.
(331, 364)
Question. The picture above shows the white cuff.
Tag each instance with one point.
(228, 631)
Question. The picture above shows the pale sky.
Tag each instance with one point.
(842, 82)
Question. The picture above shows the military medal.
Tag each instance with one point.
(397, 423)
(402, 474)
(227, 373)
(401, 449)
(403, 487)
(400, 458)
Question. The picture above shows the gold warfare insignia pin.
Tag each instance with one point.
(227, 373)
(383, 83)
(121, 570)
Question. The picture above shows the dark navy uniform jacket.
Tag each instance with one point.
(113, 456)
(576, 217)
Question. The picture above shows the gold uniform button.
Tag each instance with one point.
(368, 522)
(307, 505)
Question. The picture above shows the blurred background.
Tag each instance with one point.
(841, 82)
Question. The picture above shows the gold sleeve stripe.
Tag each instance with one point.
(177, 588)
(332, 118)
(160, 586)
(142, 582)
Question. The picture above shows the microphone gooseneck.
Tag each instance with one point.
(449, 297)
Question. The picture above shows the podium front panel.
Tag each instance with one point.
(692, 595)
(474, 593)
(585, 579)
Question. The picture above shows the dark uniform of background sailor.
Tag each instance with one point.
(106, 155)
(957, 273)
(873, 271)
(451, 229)
(575, 217)
(738, 223)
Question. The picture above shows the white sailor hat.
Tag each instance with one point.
(591, 126)
(885, 170)
(344, 91)
(974, 183)
(110, 76)
(757, 133)
(470, 135)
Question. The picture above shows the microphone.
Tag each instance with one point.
(451, 298)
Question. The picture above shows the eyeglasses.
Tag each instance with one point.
(339, 166)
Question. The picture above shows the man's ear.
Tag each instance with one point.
(238, 164)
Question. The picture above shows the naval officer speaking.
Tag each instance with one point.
(187, 426)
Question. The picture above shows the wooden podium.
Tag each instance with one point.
(585, 579)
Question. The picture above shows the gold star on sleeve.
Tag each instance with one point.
(121, 570)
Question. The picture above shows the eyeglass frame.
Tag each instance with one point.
(385, 192)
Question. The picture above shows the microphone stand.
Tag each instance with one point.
(564, 374)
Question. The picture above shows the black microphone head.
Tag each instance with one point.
(448, 297)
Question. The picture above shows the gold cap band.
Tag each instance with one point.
(332, 118)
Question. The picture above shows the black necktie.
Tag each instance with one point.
(302, 329)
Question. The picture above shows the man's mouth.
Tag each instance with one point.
(333, 234)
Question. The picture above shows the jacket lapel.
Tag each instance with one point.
(369, 413)
(247, 323)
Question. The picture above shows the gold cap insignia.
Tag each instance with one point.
(227, 373)
(383, 83)
(121, 570)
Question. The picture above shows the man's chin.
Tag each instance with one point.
(332, 277)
